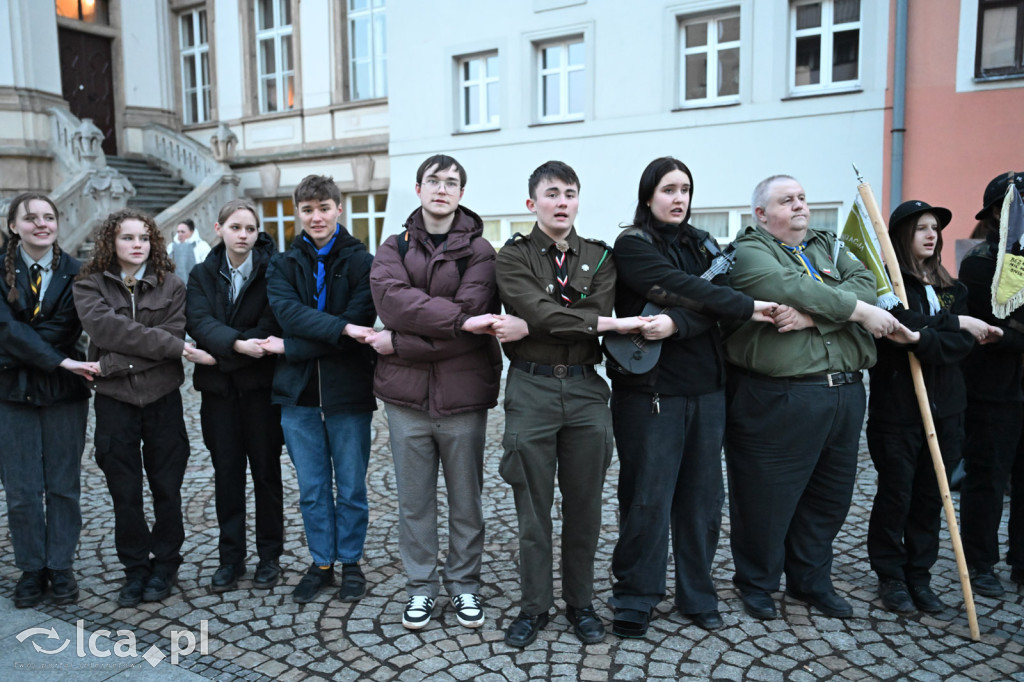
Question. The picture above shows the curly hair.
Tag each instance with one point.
(105, 256)
(14, 239)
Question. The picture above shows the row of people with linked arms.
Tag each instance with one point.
(286, 353)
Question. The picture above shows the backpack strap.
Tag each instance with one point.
(403, 248)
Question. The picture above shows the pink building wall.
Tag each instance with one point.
(955, 142)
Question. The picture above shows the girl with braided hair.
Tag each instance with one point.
(43, 402)
(134, 313)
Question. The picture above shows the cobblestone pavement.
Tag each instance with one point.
(260, 634)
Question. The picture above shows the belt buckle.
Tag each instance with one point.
(829, 377)
(560, 371)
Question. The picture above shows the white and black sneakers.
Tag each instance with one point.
(468, 610)
(418, 612)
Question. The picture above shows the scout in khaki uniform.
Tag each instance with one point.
(558, 289)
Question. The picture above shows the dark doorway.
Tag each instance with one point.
(87, 82)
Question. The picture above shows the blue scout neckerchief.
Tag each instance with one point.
(321, 272)
(798, 251)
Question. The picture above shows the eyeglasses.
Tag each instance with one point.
(434, 183)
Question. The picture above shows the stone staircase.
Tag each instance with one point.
(156, 189)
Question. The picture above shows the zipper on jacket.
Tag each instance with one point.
(320, 392)
(655, 404)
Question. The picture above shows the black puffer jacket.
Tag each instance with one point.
(216, 323)
(321, 366)
(31, 350)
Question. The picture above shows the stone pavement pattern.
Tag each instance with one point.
(262, 634)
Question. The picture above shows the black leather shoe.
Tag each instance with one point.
(895, 596)
(631, 623)
(267, 574)
(31, 589)
(63, 586)
(709, 620)
(316, 578)
(925, 599)
(524, 629)
(131, 593)
(760, 605)
(585, 622)
(829, 603)
(158, 586)
(985, 582)
(226, 577)
(353, 583)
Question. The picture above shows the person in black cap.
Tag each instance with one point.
(903, 533)
(995, 408)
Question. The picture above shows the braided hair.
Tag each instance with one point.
(105, 256)
(14, 239)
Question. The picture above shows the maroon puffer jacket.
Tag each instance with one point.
(436, 367)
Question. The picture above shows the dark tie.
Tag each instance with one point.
(35, 282)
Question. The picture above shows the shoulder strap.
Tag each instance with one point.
(403, 248)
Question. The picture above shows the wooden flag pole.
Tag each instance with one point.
(889, 256)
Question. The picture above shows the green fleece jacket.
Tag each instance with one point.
(767, 272)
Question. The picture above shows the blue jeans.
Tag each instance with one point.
(41, 461)
(329, 449)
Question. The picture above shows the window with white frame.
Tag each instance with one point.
(366, 217)
(1000, 46)
(274, 57)
(825, 48)
(725, 224)
(709, 57)
(194, 48)
(479, 98)
(367, 47)
(561, 88)
(278, 219)
(498, 229)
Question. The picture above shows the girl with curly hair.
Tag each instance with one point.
(43, 402)
(134, 314)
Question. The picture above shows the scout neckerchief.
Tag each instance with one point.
(35, 283)
(321, 271)
(562, 271)
(798, 251)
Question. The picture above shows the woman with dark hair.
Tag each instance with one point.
(670, 422)
(134, 313)
(228, 314)
(43, 404)
(903, 532)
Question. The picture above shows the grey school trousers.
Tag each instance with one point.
(419, 443)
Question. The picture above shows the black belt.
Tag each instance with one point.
(831, 380)
(557, 371)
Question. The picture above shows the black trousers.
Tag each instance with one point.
(160, 428)
(239, 428)
(992, 455)
(903, 531)
(791, 453)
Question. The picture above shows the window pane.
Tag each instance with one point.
(696, 76)
(808, 16)
(551, 57)
(360, 203)
(521, 226)
(191, 102)
(360, 39)
(472, 69)
(729, 30)
(357, 5)
(998, 37)
(576, 87)
(267, 57)
(472, 111)
(378, 224)
(264, 14)
(846, 10)
(202, 28)
(492, 230)
(286, 53)
(380, 202)
(717, 223)
(551, 95)
(824, 219)
(492, 102)
(361, 229)
(808, 60)
(204, 62)
(729, 72)
(207, 105)
(285, 12)
(492, 66)
(575, 54)
(844, 55)
(270, 94)
(188, 72)
(289, 88)
(696, 34)
(188, 38)
(361, 77)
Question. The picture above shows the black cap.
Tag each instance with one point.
(910, 209)
(996, 190)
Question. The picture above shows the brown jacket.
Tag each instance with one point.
(559, 335)
(437, 368)
(137, 337)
